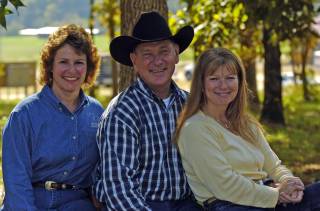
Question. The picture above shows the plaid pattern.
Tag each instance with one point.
(139, 163)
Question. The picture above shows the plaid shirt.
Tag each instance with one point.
(139, 163)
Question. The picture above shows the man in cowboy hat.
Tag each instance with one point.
(140, 167)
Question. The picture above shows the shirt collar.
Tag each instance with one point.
(49, 95)
(145, 89)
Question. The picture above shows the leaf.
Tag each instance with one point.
(3, 13)
(4, 3)
(3, 18)
(16, 3)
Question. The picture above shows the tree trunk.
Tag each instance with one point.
(272, 111)
(92, 90)
(304, 56)
(248, 55)
(250, 67)
(130, 11)
(114, 66)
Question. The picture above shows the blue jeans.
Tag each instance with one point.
(172, 205)
(61, 200)
(175, 205)
(310, 202)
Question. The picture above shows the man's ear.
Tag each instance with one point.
(133, 58)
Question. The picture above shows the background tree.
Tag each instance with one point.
(130, 11)
(301, 55)
(108, 12)
(4, 10)
(281, 20)
(224, 24)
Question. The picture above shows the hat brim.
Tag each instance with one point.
(122, 46)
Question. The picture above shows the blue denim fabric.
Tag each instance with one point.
(228, 206)
(43, 141)
(310, 202)
(62, 200)
(172, 205)
(178, 205)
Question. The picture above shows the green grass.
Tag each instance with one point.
(298, 143)
(28, 48)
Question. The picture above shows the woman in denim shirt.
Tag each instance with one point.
(49, 149)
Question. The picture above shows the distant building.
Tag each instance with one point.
(46, 31)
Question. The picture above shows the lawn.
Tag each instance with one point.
(27, 48)
(297, 144)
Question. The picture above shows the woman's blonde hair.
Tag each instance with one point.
(81, 41)
(209, 62)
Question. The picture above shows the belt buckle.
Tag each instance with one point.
(48, 185)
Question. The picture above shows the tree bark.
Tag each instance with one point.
(248, 55)
(272, 111)
(304, 56)
(130, 11)
(250, 67)
(92, 90)
(114, 66)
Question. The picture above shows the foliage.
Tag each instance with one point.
(4, 10)
(217, 23)
(108, 13)
(286, 18)
(43, 13)
(281, 20)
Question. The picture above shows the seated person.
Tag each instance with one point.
(224, 152)
(49, 147)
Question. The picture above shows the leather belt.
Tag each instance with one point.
(51, 185)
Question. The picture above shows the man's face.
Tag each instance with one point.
(155, 62)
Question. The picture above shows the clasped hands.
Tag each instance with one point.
(290, 190)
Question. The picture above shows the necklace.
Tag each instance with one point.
(226, 124)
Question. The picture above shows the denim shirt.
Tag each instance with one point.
(43, 141)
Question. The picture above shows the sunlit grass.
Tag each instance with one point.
(28, 48)
(298, 143)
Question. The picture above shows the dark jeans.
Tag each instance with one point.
(179, 205)
(310, 202)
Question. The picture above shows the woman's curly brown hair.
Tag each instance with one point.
(80, 40)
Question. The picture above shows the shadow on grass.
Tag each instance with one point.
(298, 143)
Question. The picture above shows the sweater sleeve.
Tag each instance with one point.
(199, 147)
(272, 164)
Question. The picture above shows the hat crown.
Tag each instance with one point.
(151, 26)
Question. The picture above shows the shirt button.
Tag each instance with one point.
(73, 137)
(73, 157)
(72, 118)
(65, 173)
(60, 109)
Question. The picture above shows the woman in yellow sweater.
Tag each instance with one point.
(224, 152)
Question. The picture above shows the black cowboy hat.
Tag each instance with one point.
(151, 27)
